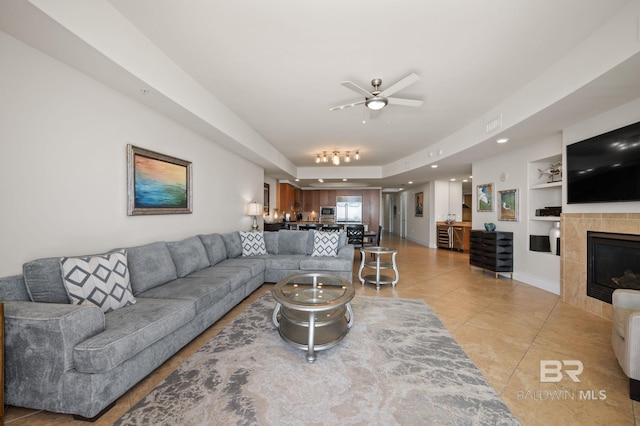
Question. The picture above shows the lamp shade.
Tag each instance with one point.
(254, 209)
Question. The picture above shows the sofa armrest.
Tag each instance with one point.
(40, 338)
(346, 252)
(627, 299)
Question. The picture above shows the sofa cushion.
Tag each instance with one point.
(13, 288)
(101, 280)
(293, 242)
(325, 244)
(284, 261)
(150, 265)
(236, 277)
(322, 264)
(255, 265)
(214, 245)
(129, 330)
(188, 255)
(232, 244)
(271, 242)
(43, 279)
(342, 241)
(252, 243)
(204, 292)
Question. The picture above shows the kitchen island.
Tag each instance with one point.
(341, 225)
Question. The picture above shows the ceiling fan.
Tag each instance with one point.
(376, 99)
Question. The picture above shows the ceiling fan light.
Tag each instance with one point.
(376, 103)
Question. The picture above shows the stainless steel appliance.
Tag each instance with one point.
(327, 214)
(349, 209)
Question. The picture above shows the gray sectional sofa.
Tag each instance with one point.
(77, 359)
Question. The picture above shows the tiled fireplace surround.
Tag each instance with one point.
(573, 240)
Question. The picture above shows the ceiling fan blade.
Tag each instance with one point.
(346, 105)
(408, 80)
(351, 85)
(405, 102)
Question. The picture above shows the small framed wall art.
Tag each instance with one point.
(485, 197)
(419, 204)
(266, 198)
(508, 205)
(157, 183)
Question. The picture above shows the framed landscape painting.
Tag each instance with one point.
(157, 183)
(508, 205)
(485, 197)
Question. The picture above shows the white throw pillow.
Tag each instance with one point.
(325, 244)
(101, 280)
(253, 243)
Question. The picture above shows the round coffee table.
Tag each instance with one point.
(313, 311)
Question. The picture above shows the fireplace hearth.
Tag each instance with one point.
(613, 261)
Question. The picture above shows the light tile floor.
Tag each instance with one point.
(506, 327)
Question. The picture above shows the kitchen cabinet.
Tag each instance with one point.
(311, 201)
(454, 236)
(288, 197)
(492, 251)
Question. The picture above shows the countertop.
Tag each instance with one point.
(464, 224)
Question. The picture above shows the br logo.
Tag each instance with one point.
(551, 370)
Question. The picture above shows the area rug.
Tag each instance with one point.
(397, 366)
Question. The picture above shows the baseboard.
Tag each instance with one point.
(550, 286)
(418, 241)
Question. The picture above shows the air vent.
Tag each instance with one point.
(494, 124)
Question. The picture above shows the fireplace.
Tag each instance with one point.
(613, 261)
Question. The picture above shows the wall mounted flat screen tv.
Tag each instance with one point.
(605, 168)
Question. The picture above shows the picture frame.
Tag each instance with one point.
(485, 197)
(419, 204)
(508, 205)
(157, 183)
(266, 198)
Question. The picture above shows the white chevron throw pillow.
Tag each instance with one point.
(253, 243)
(325, 244)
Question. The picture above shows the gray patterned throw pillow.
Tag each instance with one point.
(253, 243)
(101, 280)
(325, 244)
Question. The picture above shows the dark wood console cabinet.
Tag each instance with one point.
(492, 251)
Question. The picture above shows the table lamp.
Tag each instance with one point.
(254, 209)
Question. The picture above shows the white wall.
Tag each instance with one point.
(621, 116)
(418, 229)
(539, 269)
(63, 166)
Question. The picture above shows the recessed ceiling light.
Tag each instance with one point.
(297, 180)
(452, 179)
(344, 179)
(410, 182)
(502, 140)
(320, 180)
(465, 180)
(434, 166)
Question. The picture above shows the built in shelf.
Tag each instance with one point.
(546, 185)
(546, 218)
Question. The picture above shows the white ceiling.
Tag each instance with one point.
(278, 66)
